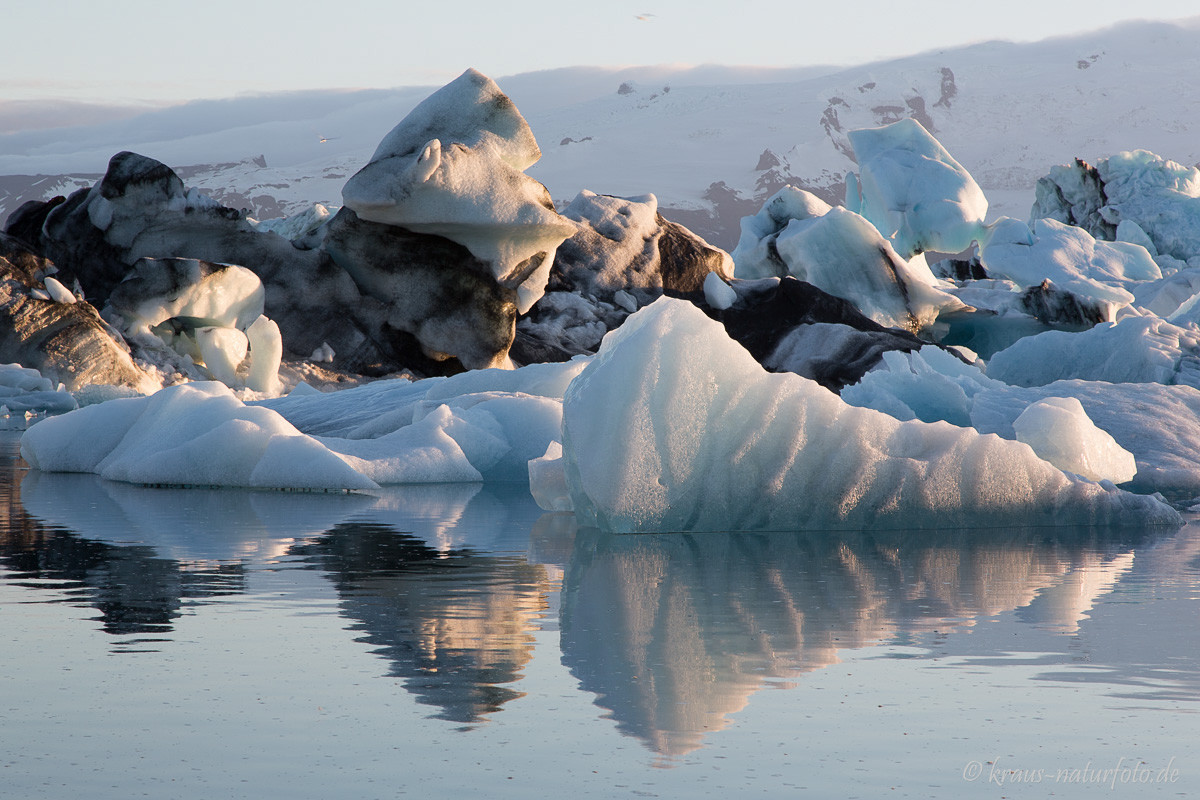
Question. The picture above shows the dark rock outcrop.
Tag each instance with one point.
(624, 256)
(67, 342)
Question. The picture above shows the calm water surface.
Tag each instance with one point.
(454, 641)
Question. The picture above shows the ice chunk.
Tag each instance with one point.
(222, 349)
(710, 441)
(159, 289)
(929, 385)
(57, 291)
(23, 389)
(1132, 350)
(192, 434)
(913, 190)
(755, 255)
(548, 481)
(1060, 431)
(454, 167)
(841, 253)
(1068, 256)
(296, 226)
(717, 293)
(322, 355)
(266, 354)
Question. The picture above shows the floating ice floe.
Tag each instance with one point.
(482, 425)
(930, 385)
(673, 426)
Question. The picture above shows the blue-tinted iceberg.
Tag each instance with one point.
(673, 426)
(911, 189)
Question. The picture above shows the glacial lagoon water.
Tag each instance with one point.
(455, 641)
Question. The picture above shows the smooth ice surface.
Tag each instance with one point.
(196, 434)
(1060, 431)
(1132, 350)
(704, 427)
(913, 190)
(481, 425)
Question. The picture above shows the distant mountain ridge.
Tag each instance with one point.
(711, 142)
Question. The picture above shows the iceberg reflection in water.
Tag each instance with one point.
(453, 597)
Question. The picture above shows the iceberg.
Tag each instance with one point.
(913, 191)
(1131, 350)
(484, 425)
(841, 253)
(454, 167)
(1134, 196)
(930, 385)
(1069, 257)
(673, 426)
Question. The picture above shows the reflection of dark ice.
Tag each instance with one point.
(455, 624)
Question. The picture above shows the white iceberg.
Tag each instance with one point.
(931, 385)
(484, 425)
(673, 426)
(1131, 350)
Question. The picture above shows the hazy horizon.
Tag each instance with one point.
(175, 55)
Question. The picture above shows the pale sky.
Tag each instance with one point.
(163, 50)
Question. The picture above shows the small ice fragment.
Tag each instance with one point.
(1060, 431)
(323, 354)
(57, 291)
(719, 294)
(266, 354)
(625, 300)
